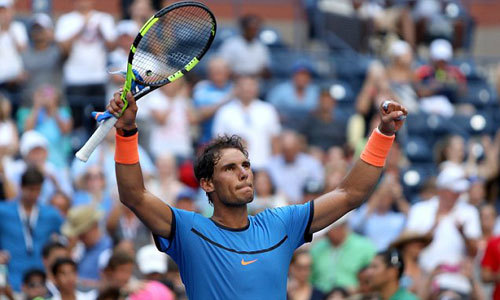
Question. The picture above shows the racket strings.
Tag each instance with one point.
(172, 42)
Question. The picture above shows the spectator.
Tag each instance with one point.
(376, 220)
(50, 253)
(299, 287)
(13, 42)
(211, 94)
(104, 156)
(152, 263)
(255, 121)
(93, 191)
(245, 53)
(9, 141)
(324, 127)
(165, 185)
(34, 151)
(83, 223)
(172, 117)
(292, 168)
(43, 59)
(266, 195)
(52, 119)
(488, 217)
(338, 256)
(140, 11)
(296, 97)
(311, 190)
(400, 75)
(386, 269)
(64, 271)
(337, 293)
(123, 225)
(186, 200)
(86, 35)
(365, 290)
(126, 31)
(118, 272)
(410, 244)
(439, 83)
(490, 265)
(455, 228)
(26, 226)
(61, 202)
(34, 285)
(477, 192)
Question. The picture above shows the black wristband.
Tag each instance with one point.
(127, 133)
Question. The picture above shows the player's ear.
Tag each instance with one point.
(207, 185)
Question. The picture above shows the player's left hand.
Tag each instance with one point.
(393, 115)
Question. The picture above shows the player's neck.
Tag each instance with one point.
(234, 217)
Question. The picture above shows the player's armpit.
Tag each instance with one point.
(151, 210)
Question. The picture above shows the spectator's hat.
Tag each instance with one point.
(150, 260)
(42, 20)
(453, 179)
(127, 27)
(399, 48)
(441, 49)
(30, 140)
(186, 193)
(409, 236)
(6, 3)
(302, 65)
(80, 219)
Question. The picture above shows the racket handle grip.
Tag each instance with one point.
(97, 137)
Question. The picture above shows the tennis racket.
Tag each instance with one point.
(169, 45)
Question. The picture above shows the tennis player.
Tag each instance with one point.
(232, 255)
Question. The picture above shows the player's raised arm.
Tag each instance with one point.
(360, 181)
(152, 211)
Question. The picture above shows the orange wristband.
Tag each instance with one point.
(126, 150)
(377, 148)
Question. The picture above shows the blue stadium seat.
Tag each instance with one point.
(468, 67)
(414, 177)
(272, 38)
(417, 149)
(424, 125)
(483, 122)
(480, 94)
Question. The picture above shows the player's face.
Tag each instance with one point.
(233, 178)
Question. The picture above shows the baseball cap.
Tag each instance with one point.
(6, 3)
(30, 140)
(399, 48)
(43, 20)
(441, 49)
(186, 193)
(150, 260)
(302, 65)
(453, 178)
(127, 27)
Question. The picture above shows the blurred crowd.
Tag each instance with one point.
(429, 230)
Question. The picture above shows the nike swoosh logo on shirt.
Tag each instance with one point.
(244, 263)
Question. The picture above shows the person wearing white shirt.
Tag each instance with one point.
(13, 41)
(86, 35)
(245, 53)
(455, 226)
(255, 121)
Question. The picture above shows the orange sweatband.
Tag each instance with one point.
(126, 150)
(377, 148)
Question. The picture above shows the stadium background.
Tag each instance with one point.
(342, 59)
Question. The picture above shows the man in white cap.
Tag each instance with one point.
(34, 151)
(455, 228)
(439, 77)
(13, 41)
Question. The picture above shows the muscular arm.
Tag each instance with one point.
(358, 183)
(155, 214)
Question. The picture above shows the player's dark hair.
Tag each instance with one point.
(33, 273)
(51, 246)
(32, 176)
(211, 154)
(56, 266)
(393, 259)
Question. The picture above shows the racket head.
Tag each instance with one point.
(171, 43)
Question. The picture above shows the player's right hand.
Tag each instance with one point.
(127, 119)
